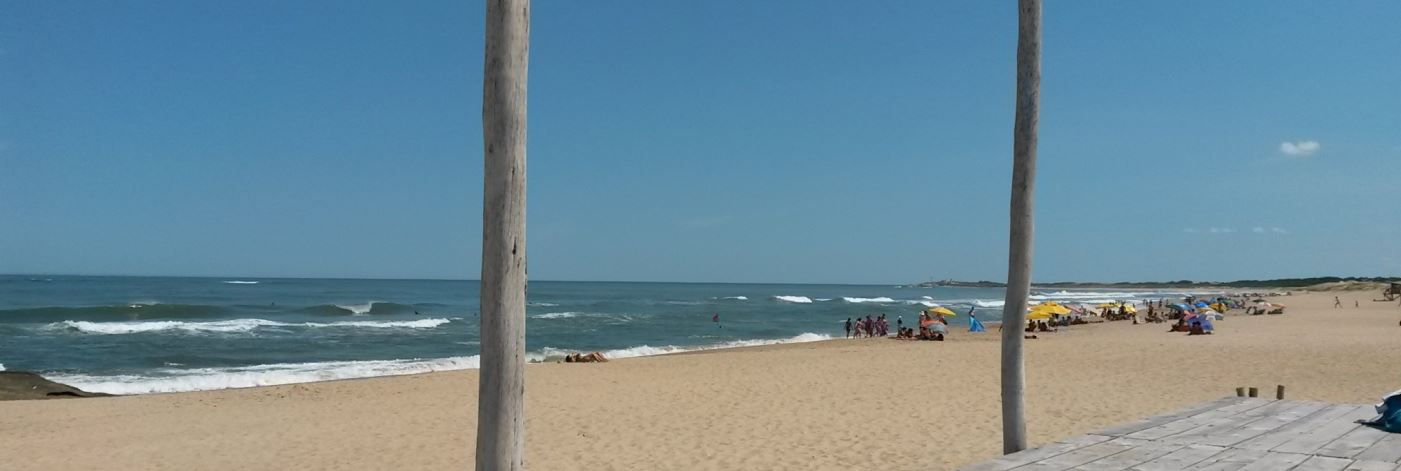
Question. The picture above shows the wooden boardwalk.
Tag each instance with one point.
(1233, 433)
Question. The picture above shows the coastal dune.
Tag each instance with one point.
(841, 404)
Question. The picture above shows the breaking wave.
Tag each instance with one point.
(881, 299)
(200, 379)
(555, 315)
(241, 282)
(233, 325)
(548, 353)
(375, 308)
(794, 299)
(167, 380)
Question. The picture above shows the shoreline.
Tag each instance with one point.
(834, 404)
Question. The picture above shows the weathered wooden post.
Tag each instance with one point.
(1022, 228)
(1240, 392)
(501, 393)
(1279, 392)
(1254, 392)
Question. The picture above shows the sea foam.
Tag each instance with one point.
(240, 282)
(200, 379)
(794, 299)
(555, 315)
(881, 299)
(233, 325)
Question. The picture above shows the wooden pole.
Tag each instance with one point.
(1240, 392)
(1022, 227)
(1254, 392)
(501, 393)
(1279, 392)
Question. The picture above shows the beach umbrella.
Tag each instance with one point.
(940, 310)
(1051, 307)
(1038, 315)
(1107, 305)
(1130, 308)
(1201, 304)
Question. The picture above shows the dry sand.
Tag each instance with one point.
(845, 404)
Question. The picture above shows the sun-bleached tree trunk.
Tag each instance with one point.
(1022, 227)
(501, 393)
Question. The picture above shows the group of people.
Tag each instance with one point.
(871, 326)
(930, 327)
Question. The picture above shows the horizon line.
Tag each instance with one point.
(1103, 283)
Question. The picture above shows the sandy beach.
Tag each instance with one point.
(843, 404)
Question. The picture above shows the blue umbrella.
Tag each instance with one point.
(1202, 304)
(1182, 307)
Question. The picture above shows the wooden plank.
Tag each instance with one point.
(1182, 458)
(1350, 445)
(1284, 434)
(1296, 410)
(1364, 465)
(1229, 460)
(1387, 450)
(1179, 426)
(1274, 461)
(1154, 421)
(1222, 424)
(1032, 455)
(1311, 441)
(1323, 463)
(1138, 455)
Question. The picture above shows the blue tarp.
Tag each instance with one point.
(1388, 414)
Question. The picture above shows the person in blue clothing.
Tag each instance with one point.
(974, 325)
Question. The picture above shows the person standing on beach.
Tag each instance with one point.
(848, 327)
(1337, 303)
(899, 322)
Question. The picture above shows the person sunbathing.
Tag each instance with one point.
(594, 357)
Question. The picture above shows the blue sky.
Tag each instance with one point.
(803, 141)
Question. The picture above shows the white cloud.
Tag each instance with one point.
(1278, 230)
(1221, 230)
(1299, 148)
(1258, 230)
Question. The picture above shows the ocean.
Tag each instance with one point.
(135, 335)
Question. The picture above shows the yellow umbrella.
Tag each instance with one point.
(1130, 308)
(939, 310)
(1051, 307)
(1108, 305)
(1038, 315)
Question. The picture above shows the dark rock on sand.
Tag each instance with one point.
(18, 385)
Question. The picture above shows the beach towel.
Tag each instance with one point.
(1388, 413)
(975, 325)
